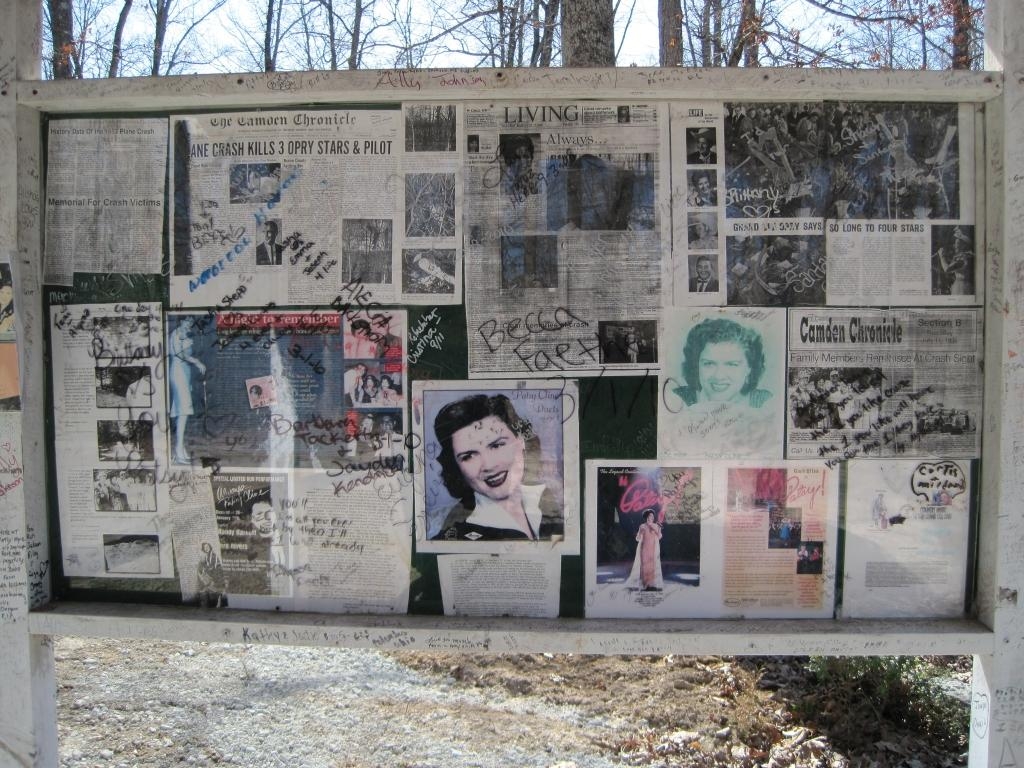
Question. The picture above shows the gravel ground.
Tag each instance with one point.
(127, 703)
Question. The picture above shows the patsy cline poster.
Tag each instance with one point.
(653, 541)
(496, 467)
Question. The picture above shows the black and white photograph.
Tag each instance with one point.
(430, 205)
(366, 251)
(774, 163)
(270, 249)
(825, 399)
(529, 261)
(703, 271)
(121, 337)
(701, 146)
(124, 386)
(775, 270)
(953, 260)
(211, 583)
(124, 490)
(601, 192)
(702, 231)
(251, 543)
(428, 270)
(893, 160)
(126, 442)
(254, 182)
(430, 128)
(634, 341)
(702, 188)
(131, 553)
(519, 165)
(498, 465)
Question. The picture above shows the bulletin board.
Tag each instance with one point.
(611, 359)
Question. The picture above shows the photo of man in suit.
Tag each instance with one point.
(269, 251)
(704, 279)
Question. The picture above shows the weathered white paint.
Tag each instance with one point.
(282, 88)
(596, 636)
(997, 717)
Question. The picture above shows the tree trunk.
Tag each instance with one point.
(745, 48)
(61, 25)
(357, 26)
(268, 36)
(670, 33)
(588, 33)
(115, 48)
(716, 33)
(332, 34)
(161, 12)
(551, 10)
(963, 17)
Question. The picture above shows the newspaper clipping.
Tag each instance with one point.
(111, 453)
(292, 541)
(351, 547)
(871, 382)
(431, 271)
(850, 203)
(907, 525)
(722, 383)
(13, 550)
(104, 197)
(496, 467)
(653, 541)
(902, 192)
(317, 389)
(289, 207)
(506, 585)
(780, 539)
(565, 204)
(698, 205)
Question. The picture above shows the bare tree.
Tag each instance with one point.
(176, 44)
(904, 34)
(116, 53)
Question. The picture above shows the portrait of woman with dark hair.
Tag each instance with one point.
(723, 362)
(490, 457)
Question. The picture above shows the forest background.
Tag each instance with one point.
(125, 38)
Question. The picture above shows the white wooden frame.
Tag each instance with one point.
(995, 638)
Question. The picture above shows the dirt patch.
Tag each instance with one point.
(718, 711)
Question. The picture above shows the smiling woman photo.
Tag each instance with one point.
(489, 458)
(722, 363)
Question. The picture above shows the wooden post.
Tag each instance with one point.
(28, 719)
(997, 714)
